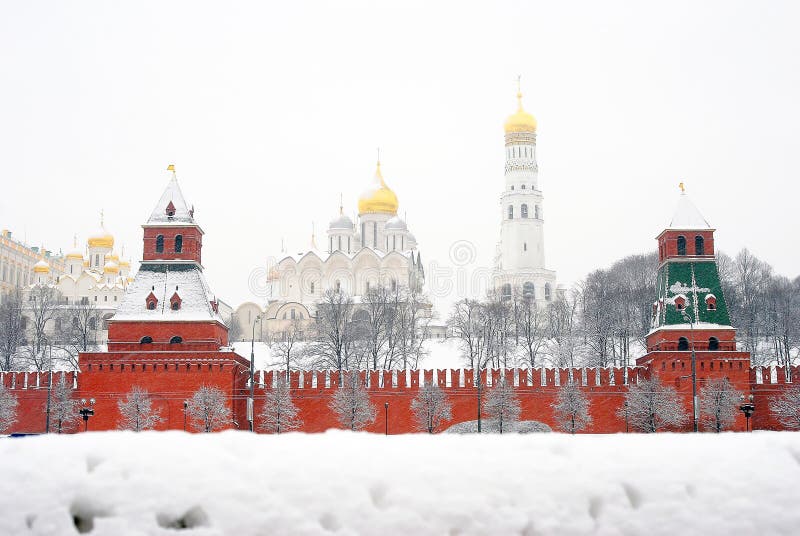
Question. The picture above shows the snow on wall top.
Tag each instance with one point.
(687, 216)
(164, 280)
(183, 213)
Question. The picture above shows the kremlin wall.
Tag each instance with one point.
(167, 337)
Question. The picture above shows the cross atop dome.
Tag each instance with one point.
(521, 121)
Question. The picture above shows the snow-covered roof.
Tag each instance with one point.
(324, 255)
(163, 281)
(342, 221)
(396, 223)
(183, 213)
(687, 216)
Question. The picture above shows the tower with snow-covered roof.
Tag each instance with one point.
(520, 261)
(169, 305)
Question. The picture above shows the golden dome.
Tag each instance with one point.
(74, 256)
(112, 257)
(521, 121)
(41, 267)
(379, 198)
(111, 267)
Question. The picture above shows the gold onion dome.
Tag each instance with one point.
(112, 257)
(379, 198)
(101, 239)
(521, 121)
(75, 255)
(41, 267)
(111, 267)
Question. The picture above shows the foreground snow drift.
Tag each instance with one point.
(117, 483)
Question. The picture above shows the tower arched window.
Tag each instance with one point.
(524, 187)
(548, 292)
(178, 243)
(523, 210)
(528, 290)
(683, 344)
(293, 314)
(699, 245)
(338, 286)
(160, 244)
(176, 340)
(146, 340)
(510, 212)
(506, 291)
(312, 287)
(713, 344)
(681, 245)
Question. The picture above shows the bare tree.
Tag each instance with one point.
(12, 328)
(76, 330)
(351, 403)
(572, 408)
(234, 328)
(63, 408)
(287, 347)
(8, 408)
(279, 413)
(651, 406)
(136, 411)
(530, 322)
(376, 326)
(334, 331)
(208, 409)
(410, 326)
(502, 405)
(786, 408)
(43, 302)
(431, 407)
(719, 403)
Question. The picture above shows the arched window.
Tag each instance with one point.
(683, 344)
(528, 289)
(680, 303)
(713, 344)
(505, 292)
(681, 245)
(151, 305)
(523, 186)
(711, 302)
(338, 286)
(312, 287)
(524, 246)
(293, 314)
(699, 245)
(146, 340)
(548, 292)
(176, 340)
(510, 212)
(160, 244)
(536, 213)
(523, 210)
(75, 322)
(175, 305)
(394, 285)
(178, 243)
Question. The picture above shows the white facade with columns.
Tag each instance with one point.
(520, 260)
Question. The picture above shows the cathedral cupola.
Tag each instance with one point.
(520, 121)
(378, 197)
(341, 233)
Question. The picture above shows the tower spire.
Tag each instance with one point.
(171, 168)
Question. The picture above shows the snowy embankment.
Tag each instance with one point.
(118, 483)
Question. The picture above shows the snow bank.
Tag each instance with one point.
(118, 483)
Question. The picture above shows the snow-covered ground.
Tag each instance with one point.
(121, 483)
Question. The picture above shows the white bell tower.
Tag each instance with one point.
(521, 260)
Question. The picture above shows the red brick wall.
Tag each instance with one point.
(668, 244)
(125, 336)
(192, 243)
(768, 384)
(667, 339)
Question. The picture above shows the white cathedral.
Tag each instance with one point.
(378, 249)
(519, 262)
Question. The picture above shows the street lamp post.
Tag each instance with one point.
(694, 370)
(747, 408)
(86, 411)
(185, 409)
(250, 401)
(386, 416)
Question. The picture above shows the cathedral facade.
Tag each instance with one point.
(375, 250)
(520, 260)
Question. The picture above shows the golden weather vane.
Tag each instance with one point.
(682, 187)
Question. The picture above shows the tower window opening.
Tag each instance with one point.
(524, 187)
(512, 187)
(523, 209)
(548, 292)
(683, 344)
(312, 287)
(713, 344)
(175, 305)
(160, 244)
(340, 243)
(506, 292)
(510, 212)
(528, 289)
(178, 243)
(176, 340)
(524, 246)
(699, 245)
(146, 340)
(681, 245)
(293, 314)
(536, 212)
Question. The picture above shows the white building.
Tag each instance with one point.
(378, 249)
(520, 259)
(96, 275)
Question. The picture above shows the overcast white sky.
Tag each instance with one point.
(269, 110)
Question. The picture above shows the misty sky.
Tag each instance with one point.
(271, 110)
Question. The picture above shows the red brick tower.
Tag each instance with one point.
(167, 335)
(690, 315)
